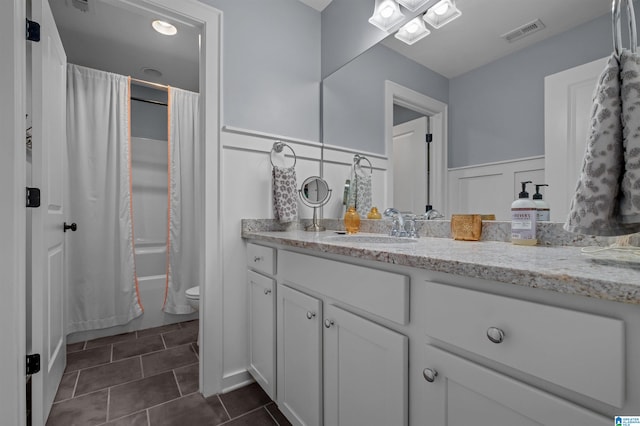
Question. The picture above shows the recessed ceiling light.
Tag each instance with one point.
(163, 27)
(413, 31)
(442, 13)
(386, 15)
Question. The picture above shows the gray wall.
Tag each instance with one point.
(403, 115)
(496, 112)
(271, 66)
(353, 97)
(148, 120)
(346, 32)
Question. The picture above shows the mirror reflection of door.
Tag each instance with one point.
(409, 160)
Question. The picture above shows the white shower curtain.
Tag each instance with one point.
(102, 286)
(185, 200)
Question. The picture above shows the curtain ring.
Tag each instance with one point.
(617, 31)
(277, 147)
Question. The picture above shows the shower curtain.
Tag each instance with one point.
(185, 200)
(102, 286)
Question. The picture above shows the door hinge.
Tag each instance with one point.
(33, 197)
(33, 364)
(33, 31)
(428, 138)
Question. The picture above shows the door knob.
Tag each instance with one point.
(73, 227)
(328, 323)
(267, 291)
(430, 375)
(495, 334)
(310, 314)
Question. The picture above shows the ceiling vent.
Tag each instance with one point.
(81, 5)
(523, 31)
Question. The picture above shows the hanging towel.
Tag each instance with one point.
(360, 191)
(285, 202)
(595, 207)
(630, 94)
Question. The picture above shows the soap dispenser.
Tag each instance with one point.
(523, 219)
(542, 207)
(351, 220)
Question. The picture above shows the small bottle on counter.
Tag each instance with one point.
(523, 219)
(374, 214)
(351, 220)
(542, 207)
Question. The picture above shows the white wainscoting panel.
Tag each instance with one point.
(491, 188)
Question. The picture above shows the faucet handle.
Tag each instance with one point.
(411, 228)
(395, 227)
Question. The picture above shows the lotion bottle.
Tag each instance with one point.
(523, 219)
(542, 207)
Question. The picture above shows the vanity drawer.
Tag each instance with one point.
(261, 258)
(381, 293)
(578, 351)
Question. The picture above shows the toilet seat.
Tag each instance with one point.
(193, 293)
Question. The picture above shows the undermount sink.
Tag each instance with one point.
(369, 239)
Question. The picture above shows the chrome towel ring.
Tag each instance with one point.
(278, 147)
(617, 31)
(358, 158)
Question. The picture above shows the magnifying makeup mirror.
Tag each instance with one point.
(314, 193)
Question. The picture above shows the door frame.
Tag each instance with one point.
(209, 20)
(438, 114)
(13, 212)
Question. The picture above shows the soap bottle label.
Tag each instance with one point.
(543, 215)
(523, 224)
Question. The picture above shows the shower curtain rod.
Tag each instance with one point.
(148, 83)
(149, 101)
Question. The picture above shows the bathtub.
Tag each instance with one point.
(151, 258)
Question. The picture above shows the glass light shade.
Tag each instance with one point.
(413, 31)
(442, 13)
(386, 15)
(164, 27)
(412, 5)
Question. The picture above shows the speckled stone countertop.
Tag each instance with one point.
(563, 269)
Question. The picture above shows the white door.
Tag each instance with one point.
(465, 393)
(48, 173)
(410, 166)
(366, 372)
(567, 110)
(299, 357)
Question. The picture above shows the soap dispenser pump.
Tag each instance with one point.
(523, 219)
(542, 207)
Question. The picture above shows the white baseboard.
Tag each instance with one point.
(236, 380)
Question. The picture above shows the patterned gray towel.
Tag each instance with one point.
(360, 191)
(285, 200)
(595, 207)
(630, 94)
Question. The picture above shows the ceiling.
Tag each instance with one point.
(122, 41)
(474, 40)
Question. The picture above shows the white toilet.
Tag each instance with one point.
(193, 299)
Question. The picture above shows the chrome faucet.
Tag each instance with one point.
(404, 225)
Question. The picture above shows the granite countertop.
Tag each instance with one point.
(563, 269)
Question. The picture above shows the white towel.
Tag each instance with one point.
(630, 94)
(595, 208)
(285, 200)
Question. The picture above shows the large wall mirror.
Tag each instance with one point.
(493, 89)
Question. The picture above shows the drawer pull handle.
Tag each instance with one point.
(267, 291)
(495, 335)
(429, 375)
(311, 314)
(328, 323)
(258, 258)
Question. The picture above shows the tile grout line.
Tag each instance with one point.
(148, 417)
(141, 367)
(108, 402)
(175, 377)
(255, 410)
(223, 406)
(271, 415)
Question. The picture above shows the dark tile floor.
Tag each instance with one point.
(150, 378)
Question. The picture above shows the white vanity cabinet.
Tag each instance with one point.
(336, 367)
(460, 392)
(262, 316)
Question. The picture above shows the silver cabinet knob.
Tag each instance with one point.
(267, 291)
(495, 334)
(311, 314)
(328, 323)
(429, 375)
(258, 258)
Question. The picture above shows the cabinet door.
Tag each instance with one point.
(366, 372)
(463, 392)
(262, 331)
(299, 356)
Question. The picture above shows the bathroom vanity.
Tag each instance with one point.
(441, 332)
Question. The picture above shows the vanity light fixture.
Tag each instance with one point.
(163, 27)
(412, 5)
(413, 31)
(386, 15)
(442, 13)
